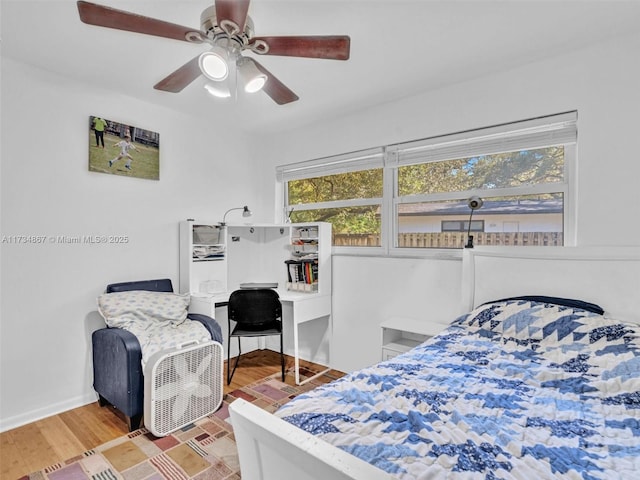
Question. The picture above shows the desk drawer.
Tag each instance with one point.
(306, 309)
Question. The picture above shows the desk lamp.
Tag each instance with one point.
(245, 213)
(474, 203)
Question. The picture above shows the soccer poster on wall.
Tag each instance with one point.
(122, 149)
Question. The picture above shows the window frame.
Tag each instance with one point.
(539, 132)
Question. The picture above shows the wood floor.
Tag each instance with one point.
(45, 442)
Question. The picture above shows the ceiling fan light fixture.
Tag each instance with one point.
(215, 64)
(255, 84)
(251, 77)
(218, 89)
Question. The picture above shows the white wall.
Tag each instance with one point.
(49, 290)
(600, 82)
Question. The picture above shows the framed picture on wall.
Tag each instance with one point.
(123, 149)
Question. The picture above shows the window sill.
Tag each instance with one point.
(426, 253)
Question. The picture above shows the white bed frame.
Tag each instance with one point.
(270, 448)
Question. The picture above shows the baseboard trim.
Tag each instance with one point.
(40, 413)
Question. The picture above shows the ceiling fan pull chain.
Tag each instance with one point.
(260, 46)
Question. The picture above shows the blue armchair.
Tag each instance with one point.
(117, 368)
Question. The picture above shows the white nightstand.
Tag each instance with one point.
(401, 334)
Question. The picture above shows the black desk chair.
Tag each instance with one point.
(257, 313)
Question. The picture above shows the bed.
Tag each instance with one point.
(516, 387)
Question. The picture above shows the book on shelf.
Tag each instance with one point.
(302, 271)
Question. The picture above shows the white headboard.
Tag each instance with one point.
(607, 276)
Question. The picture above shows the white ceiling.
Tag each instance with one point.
(398, 48)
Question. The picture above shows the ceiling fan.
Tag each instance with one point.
(228, 29)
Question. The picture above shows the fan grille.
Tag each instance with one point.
(186, 385)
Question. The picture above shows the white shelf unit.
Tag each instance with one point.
(256, 253)
(309, 266)
(203, 258)
(400, 334)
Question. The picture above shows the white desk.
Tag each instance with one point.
(298, 306)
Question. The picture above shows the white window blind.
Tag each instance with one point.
(348, 162)
(535, 133)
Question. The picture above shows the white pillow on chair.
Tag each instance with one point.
(120, 309)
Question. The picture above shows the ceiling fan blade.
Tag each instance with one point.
(233, 10)
(182, 77)
(100, 16)
(277, 90)
(333, 47)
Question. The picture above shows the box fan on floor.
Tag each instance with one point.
(181, 386)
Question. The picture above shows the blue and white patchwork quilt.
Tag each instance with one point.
(514, 389)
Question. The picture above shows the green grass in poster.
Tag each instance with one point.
(145, 163)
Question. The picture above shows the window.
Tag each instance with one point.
(345, 190)
(413, 195)
(461, 226)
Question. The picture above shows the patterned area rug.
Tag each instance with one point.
(203, 450)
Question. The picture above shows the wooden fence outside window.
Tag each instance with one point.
(453, 239)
